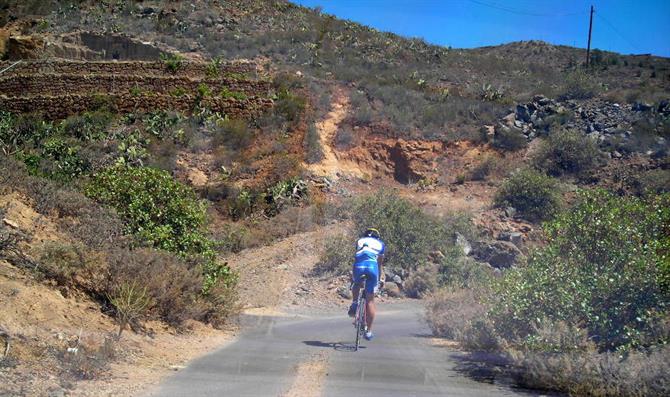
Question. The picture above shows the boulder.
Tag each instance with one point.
(515, 238)
(510, 212)
(509, 120)
(344, 292)
(393, 290)
(498, 254)
(541, 100)
(641, 107)
(522, 113)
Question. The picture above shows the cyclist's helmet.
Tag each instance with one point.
(371, 232)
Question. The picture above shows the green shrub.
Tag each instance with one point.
(172, 62)
(410, 234)
(290, 106)
(130, 302)
(532, 193)
(162, 213)
(480, 171)
(312, 145)
(338, 256)
(159, 210)
(171, 286)
(567, 152)
(233, 133)
(214, 67)
(25, 129)
(580, 85)
(61, 160)
(605, 269)
(226, 93)
(421, 282)
(88, 126)
(509, 139)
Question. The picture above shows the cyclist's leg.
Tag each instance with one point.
(357, 274)
(370, 287)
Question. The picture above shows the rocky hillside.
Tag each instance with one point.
(181, 152)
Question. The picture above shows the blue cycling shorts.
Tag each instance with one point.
(371, 270)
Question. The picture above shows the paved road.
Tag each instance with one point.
(400, 361)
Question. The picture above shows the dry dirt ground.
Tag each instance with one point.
(43, 322)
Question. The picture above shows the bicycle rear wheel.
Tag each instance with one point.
(360, 320)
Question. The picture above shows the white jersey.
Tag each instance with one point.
(368, 250)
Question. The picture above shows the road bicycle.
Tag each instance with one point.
(360, 319)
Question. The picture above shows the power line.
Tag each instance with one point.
(523, 12)
(611, 25)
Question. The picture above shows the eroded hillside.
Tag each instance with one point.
(204, 158)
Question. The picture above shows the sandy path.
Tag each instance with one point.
(332, 166)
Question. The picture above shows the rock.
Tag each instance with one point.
(462, 242)
(489, 131)
(510, 212)
(344, 292)
(10, 223)
(515, 238)
(499, 254)
(522, 113)
(509, 120)
(56, 393)
(616, 155)
(541, 100)
(393, 290)
(148, 11)
(397, 279)
(641, 107)
(664, 106)
(518, 123)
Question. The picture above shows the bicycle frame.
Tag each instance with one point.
(360, 321)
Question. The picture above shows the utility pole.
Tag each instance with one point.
(588, 47)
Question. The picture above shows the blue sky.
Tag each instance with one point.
(625, 26)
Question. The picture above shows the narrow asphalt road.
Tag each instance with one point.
(400, 361)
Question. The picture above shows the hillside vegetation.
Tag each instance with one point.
(523, 194)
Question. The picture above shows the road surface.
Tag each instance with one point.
(303, 355)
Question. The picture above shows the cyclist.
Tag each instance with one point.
(369, 261)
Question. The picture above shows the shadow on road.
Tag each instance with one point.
(339, 346)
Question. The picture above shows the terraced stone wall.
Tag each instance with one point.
(58, 89)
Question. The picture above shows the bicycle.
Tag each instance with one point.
(360, 319)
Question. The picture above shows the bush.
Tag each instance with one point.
(68, 264)
(585, 372)
(567, 152)
(338, 256)
(421, 281)
(171, 288)
(509, 139)
(172, 62)
(483, 168)
(410, 234)
(159, 210)
(533, 194)
(233, 133)
(88, 126)
(579, 85)
(130, 301)
(312, 145)
(605, 269)
(344, 139)
(460, 315)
